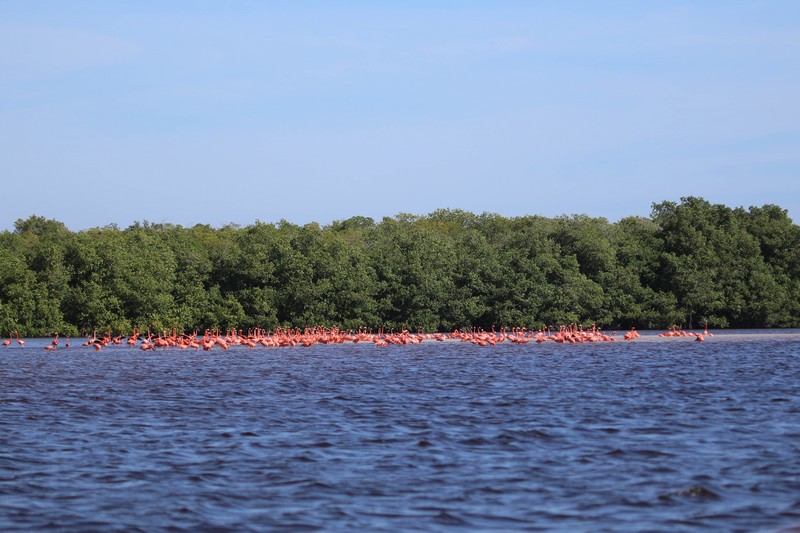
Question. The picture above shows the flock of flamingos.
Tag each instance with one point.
(288, 337)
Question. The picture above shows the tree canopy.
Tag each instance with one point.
(688, 263)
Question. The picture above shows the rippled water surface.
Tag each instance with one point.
(647, 435)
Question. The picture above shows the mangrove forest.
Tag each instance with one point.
(689, 263)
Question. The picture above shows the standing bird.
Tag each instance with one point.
(20, 341)
(10, 338)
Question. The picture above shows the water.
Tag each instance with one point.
(649, 435)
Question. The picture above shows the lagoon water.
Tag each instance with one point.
(653, 434)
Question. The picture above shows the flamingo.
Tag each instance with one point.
(632, 334)
(290, 337)
(91, 339)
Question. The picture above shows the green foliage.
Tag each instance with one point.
(689, 263)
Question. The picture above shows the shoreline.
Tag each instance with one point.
(645, 336)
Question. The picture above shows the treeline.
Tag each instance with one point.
(690, 262)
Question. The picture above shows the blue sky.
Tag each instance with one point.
(236, 111)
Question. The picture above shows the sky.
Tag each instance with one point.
(218, 112)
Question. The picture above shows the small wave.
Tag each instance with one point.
(695, 492)
(448, 519)
(475, 441)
